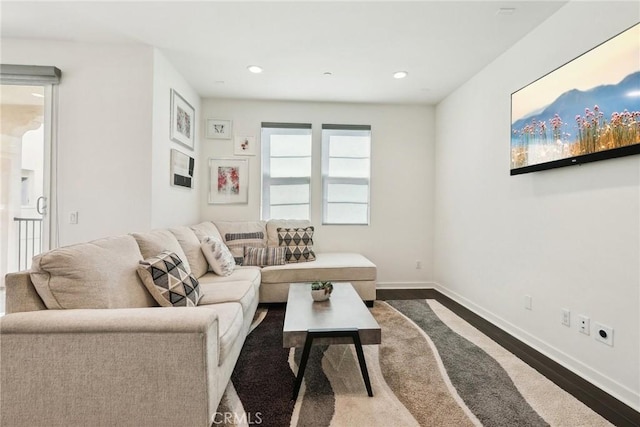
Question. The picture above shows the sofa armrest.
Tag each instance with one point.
(142, 320)
(21, 295)
(148, 366)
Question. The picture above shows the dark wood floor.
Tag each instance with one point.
(385, 294)
(601, 402)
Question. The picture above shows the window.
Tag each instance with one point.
(346, 166)
(286, 170)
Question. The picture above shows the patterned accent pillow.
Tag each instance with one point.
(264, 256)
(168, 282)
(218, 256)
(298, 242)
(237, 242)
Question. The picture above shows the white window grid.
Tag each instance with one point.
(268, 130)
(327, 132)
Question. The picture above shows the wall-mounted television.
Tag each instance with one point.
(586, 110)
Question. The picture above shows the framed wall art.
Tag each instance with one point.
(218, 129)
(244, 146)
(228, 181)
(181, 169)
(183, 120)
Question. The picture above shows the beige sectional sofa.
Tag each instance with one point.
(84, 343)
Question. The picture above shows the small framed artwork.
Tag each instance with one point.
(228, 181)
(218, 129)
(183, 120)
(245, 146)
(181, 169)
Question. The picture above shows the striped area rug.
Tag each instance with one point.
(432, 369)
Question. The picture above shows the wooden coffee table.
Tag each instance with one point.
(342, 319)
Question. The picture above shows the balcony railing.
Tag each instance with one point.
(29, 240)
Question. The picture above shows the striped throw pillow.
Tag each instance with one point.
(264, 256)
(236, 242)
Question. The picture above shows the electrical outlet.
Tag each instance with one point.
(527, 302)
(418, 265)
(566, 317)
(583, 325)
(604, 334)
(73, 217)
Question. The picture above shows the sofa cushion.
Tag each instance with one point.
(335, 267)
(218, 256)
(168, 281)
(242, 292)
(153, 242)
(245, 273)
(206, 229)
(298, 242)
(190, 244)
(97, 274)
(273, 225)
(264, 256)
(230, 326)
(238, 234)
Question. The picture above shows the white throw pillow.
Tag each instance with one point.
(218, 256)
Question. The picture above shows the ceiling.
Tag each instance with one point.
(441, 44)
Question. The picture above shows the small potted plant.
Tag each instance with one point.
(321, 291)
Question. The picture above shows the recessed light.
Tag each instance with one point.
(327, 73)
(255, 69)
(38, 95)
(506, 11)
(219, 82)
(400, 74)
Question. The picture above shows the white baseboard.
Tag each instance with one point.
(405, 285)
(614, 388)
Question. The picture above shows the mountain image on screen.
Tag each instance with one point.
(579, 122)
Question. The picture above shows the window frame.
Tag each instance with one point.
(329, 130)
(267, 180)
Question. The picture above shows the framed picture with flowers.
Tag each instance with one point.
(183, 121)
(245, 146)
(228, 181)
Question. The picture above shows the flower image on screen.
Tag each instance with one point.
(582, 110)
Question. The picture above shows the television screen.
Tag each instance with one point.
(586, 110)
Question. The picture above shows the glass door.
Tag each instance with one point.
(25, 185)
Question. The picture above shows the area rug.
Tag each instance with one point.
(432, 369)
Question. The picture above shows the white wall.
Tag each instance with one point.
(401, 230)
(171, 205)
(104, 133)
(568, 237)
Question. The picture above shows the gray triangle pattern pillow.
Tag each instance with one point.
(168, 282)
(298, 242)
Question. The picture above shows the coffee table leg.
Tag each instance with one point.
(353, 333)
(303, 364)
(363, 363)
